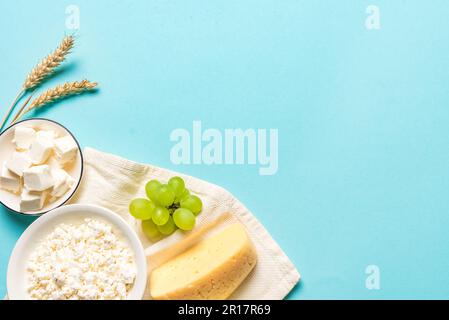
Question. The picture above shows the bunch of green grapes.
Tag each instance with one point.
(168, 207)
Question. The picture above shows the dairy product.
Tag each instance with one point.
(18, 162)
(38, 178)
(81, 261)
(62, 182)
(37, 165)
(23, 137)
(66, 149)
(41, 149)
(9, 181)
(212, 269)
(32, 200)
(54, 163)
(47, 134)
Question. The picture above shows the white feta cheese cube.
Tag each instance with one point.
(38, 178)
(53, 162)
(23, 137)
(47, 134)
(9, 181)
(41, 149)
(32, 200)
(62, 182)
(18, 162)
(66, 149)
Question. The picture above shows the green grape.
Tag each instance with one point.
(150, 229)
(184, 219)
(184, 194)
(165, 196)
(151, 189)
(177, 185)
(160, 216)
(141, 208)
(168, 228)
(193, 203)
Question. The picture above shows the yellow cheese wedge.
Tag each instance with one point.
(212, 269)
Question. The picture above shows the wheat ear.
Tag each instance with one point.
(57, 93)
(41, 71)
(49, 64)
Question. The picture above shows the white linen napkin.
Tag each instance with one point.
(112, 182)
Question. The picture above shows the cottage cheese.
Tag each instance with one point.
(81, 261)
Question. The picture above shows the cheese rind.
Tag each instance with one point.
(210, 270)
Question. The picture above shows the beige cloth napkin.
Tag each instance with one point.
(112, 182)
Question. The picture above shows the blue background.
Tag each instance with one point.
(363, 119)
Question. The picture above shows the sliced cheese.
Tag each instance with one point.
(212, 269)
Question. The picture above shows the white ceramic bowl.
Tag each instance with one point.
(17, 276)
(7, 147)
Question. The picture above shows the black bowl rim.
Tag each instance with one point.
(81, 174)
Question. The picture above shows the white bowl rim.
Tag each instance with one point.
(140, 282)
(80, 177)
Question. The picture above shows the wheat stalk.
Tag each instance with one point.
(19, 113)
(11, 107)
(49, 64)
(41, 71)
(57, 93)
(61, 91)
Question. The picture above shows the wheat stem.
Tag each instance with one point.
(42, 71)
(59, 92)
(11, 108)
(20, 112)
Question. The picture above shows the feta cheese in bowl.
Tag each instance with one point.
(78, 252)
(41, 166)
